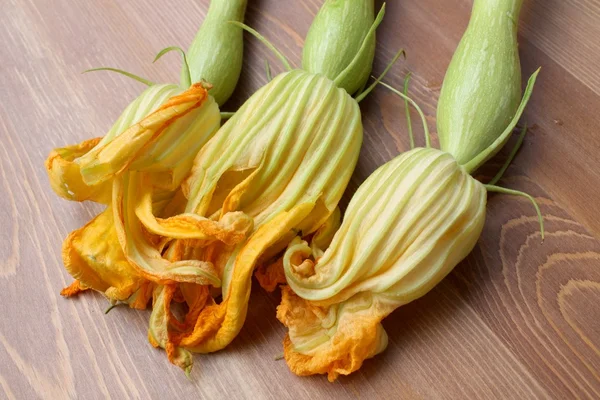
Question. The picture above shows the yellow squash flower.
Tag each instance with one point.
(161, 147)
(279, 166)
(405, 229)
(157, 134)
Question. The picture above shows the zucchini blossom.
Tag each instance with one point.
(155, 140)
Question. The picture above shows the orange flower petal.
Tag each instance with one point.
(100, 264)
(73, 289)
(217, 325)
(271, 275)
(65, 174)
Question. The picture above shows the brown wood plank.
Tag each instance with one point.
(517, 319)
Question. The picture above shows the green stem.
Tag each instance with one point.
(500, 8)
(216, 53)
(226, 10)
(111, 307)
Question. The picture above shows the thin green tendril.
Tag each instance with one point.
(511, 156)
(186, 77)
(368, 90)
(264, 41)
(122, 72)
(498, 189)
(411, 138)
(268, 71)
(111, 307)
(416, 106)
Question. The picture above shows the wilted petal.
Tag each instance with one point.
(73, 289)
(158, 332)
(140, 298)
(332, 340)
(231, 229)
(218, 324)
(93, 256)
(270, 275)
(145, 255)
(65, 174)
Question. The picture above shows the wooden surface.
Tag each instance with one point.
(517, 319)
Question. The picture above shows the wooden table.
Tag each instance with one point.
(516, 319)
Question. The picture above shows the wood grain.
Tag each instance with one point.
(517, 319)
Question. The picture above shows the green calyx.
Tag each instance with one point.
(341, 42)
(215, 55)
(482, 88)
